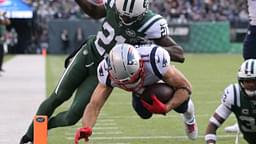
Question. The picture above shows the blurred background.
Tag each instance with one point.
(200, 26)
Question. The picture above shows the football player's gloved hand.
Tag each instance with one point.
(83, 133)
(157, 106)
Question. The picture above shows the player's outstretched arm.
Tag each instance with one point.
(175, 51)
(182, 86)
(91, 8)
(92, 111)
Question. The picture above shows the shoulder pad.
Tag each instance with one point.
(160, 61)
(155, 27)
(229, 95)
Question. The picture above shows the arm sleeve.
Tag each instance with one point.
(158, 29)
(160, 61)
(102, 72)
(228, 96)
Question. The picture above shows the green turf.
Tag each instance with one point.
(118, 123)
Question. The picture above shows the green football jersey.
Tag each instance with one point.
(243, 108)
(113, 31)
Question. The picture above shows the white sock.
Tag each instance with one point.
(189, 115)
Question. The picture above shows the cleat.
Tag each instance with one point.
(26, 140)
(232, 129)
(191, 130)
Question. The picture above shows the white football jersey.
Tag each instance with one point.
(252, 11)
(231, 93)
(156, 63)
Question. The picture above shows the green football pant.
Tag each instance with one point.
(80, 76)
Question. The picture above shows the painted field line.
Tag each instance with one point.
(147, 137)
(105, 128)
(98, 133)
(105, 124)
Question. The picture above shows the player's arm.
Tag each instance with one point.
(93, 10)
(175, 51)
(217, 119)
(92, 111)
(182, 87)
(220, 115)
(159, 33)
(98, 99)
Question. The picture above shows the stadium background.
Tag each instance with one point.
(214, 26)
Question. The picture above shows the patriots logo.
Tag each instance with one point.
(101, 71)
(164, 64)
(131, 58)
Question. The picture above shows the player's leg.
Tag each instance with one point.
(139, 108)
(75, 112)
(249, 48)
(71, 79)
(188, 113)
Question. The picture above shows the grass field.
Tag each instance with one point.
(118, 123)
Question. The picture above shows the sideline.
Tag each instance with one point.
(22, 88)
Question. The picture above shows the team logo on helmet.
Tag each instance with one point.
(131, 58)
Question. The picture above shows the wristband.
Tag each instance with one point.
(210, 137)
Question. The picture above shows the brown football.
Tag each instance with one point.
(161, 90)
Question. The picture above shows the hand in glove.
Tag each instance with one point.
(83, 133)
(157, 106)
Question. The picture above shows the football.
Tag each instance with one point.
(161, 90)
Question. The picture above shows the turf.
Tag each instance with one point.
(119, 124)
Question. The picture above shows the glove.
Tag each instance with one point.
(157, 107)
(83, 133)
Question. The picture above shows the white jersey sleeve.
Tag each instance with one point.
(102, 72)
(156, 27)
(229, 94)
(227, 101)
(160, 61)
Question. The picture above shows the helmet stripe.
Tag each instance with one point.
(252, 67)
(125, 5)
(132, 6)
(246, 68)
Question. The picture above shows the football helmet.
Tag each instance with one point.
(129, 11)
(247, 77)
(124, 64)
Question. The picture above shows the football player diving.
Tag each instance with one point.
(132, 68)
(128, 21)
(239, 98)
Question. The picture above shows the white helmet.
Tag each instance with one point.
(124, 64)
(130, 11)
(247, 71)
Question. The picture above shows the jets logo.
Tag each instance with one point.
(130, 33)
